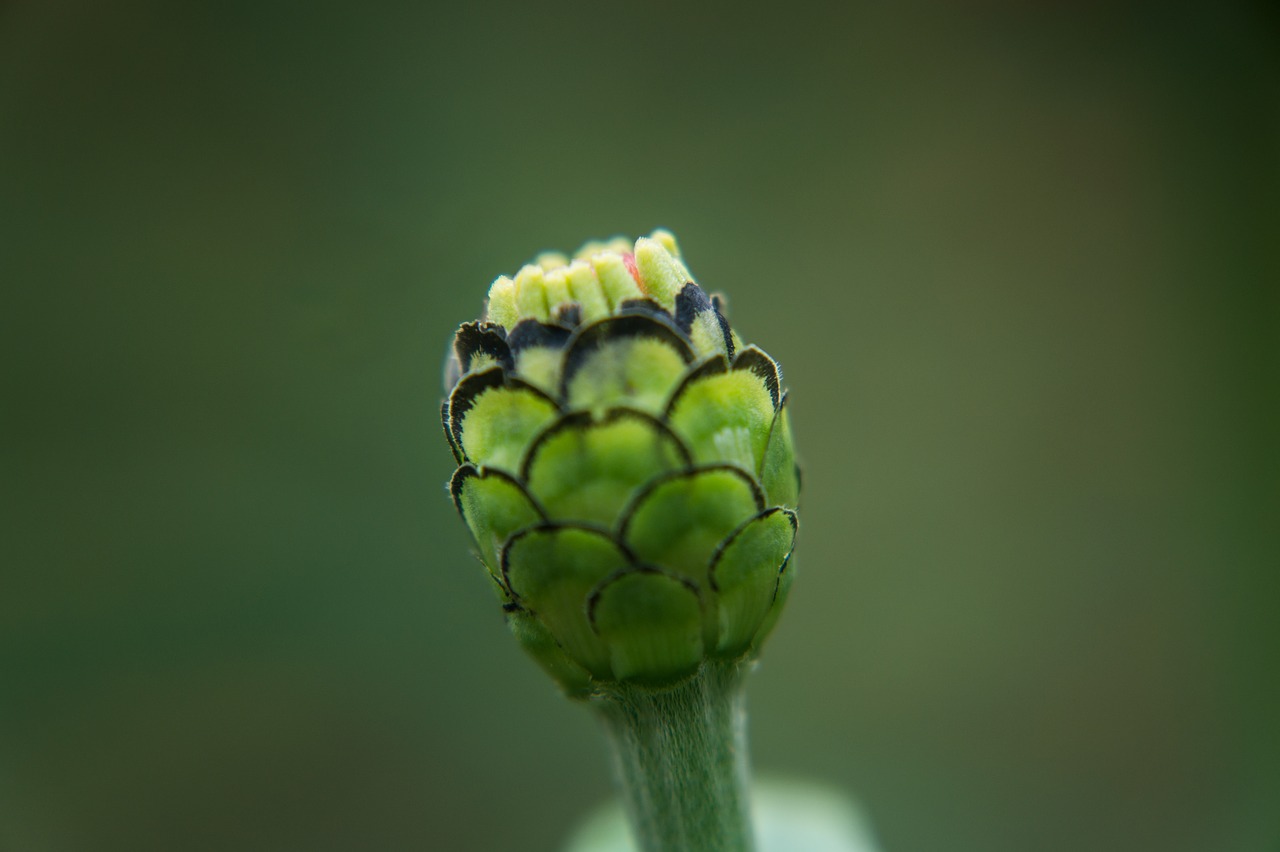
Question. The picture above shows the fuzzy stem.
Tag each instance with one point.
(681, 757)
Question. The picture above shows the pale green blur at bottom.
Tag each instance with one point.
(790, 815)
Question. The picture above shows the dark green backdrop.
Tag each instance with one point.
(1019, 262)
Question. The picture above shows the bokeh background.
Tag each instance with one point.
(1019, 261)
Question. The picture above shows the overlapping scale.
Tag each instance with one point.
(724, 417)
(494, 505)
(697, 316)
(536, 348)
(744, 575)
(679, 520)
(583, 468)
(786, 576)
(479, 345)
(538, 643)
(551, 569)
(651, 622)
(779, 473)
(493, 417)
(633, 360)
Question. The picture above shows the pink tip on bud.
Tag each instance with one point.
(629, 260)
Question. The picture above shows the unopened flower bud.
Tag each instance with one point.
(626, 466)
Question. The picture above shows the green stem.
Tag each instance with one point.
(681, 757)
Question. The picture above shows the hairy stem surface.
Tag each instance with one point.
(681, 757)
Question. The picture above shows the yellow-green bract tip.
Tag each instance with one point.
(586, 290)
(557, 286)
(616, 281)
(531, 293)
(502, 302)
(549, 260)
(668, 241)
(617, 245)
(662, 276)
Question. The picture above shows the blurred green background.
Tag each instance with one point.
(1020, 262)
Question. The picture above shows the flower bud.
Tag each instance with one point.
(626, 466)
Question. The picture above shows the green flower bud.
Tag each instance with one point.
(625, 466)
